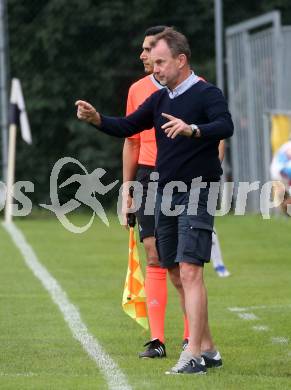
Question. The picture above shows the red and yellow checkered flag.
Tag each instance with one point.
(134, 297)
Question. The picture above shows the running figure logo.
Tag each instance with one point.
(90, 185)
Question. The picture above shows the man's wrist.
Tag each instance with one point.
(97, 120)
(195, 131)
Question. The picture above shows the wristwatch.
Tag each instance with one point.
(195, 130)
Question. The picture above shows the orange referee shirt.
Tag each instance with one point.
(137, 94)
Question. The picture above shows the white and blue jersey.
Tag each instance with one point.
(281, 165)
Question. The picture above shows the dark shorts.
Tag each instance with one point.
(146, 223)
(186, 237)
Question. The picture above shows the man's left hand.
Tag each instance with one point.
(175, 127)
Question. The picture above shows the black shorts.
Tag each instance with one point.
(146, 223)
(186, 237)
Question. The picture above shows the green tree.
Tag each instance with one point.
(89, 49)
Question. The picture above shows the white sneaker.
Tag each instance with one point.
(188, 364)
(222, 272)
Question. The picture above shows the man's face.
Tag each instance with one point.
(166, 67)
(145, 54)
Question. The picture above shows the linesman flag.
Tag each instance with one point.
(134, 297)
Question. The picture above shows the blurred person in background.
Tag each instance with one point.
(281, 172)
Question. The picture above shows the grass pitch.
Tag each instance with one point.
(38, 351)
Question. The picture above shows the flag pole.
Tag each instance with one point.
(4, 70)
(10, 172)
(131, 221)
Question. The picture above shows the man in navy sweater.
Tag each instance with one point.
(190, 118)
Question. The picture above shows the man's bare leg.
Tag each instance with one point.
(206, 342)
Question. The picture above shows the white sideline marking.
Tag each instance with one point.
(280, 340)
(237, 309)
(261, 328)
(269, 307)
(115, 378)
(241, 312)
(248, 316)
(265, 307)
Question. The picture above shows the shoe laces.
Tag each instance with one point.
(152, 344)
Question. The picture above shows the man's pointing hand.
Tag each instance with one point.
(86, 112)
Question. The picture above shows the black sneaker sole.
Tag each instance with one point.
(152, 357)
(186, 373)
(213, 363)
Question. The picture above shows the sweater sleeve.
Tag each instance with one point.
(220, 124)
(139, 120)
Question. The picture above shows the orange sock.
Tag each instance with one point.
(156, 291)
(186, 328)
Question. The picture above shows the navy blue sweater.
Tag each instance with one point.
(181, 158)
